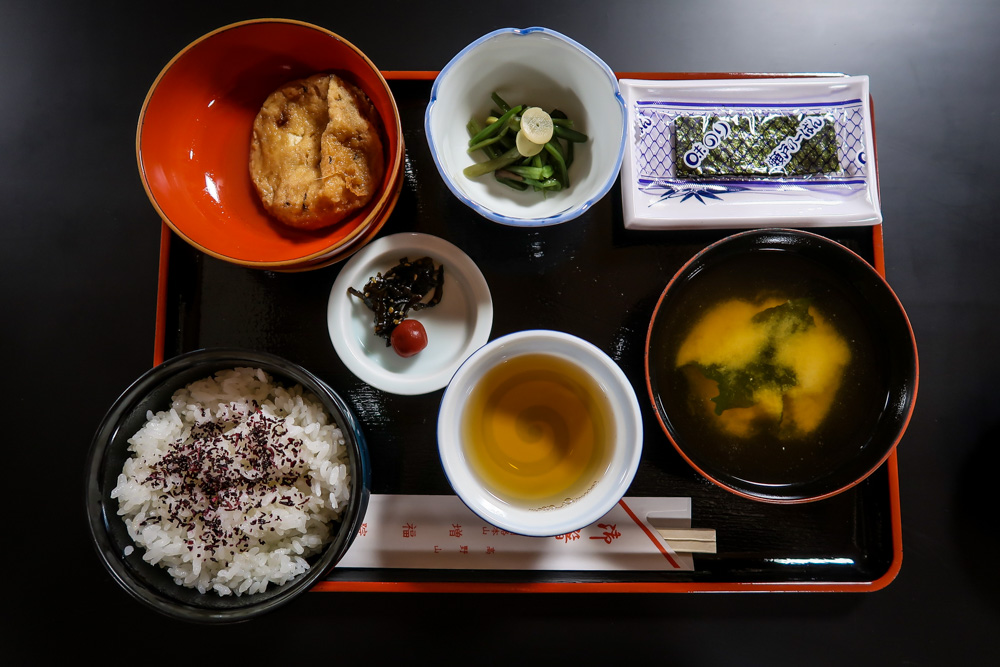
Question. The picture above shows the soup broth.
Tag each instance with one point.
(769, 369)
(537, 431)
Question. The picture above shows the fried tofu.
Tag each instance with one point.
(316, 155)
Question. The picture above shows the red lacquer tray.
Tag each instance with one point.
(607, 280)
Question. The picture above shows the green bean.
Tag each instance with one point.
(554, 149)
(562, 174)
(482, 168)
(536, 173)
(493, 128)
(473, 128)
(483, 144)
(562, 122)
(487, 142)
(552, 184)
(569, 134)
(507, 141)
(511, 183)
(500, 101)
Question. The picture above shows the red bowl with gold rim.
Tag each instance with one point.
(781, 366)
(194, 131)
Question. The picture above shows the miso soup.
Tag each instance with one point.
(768, 370)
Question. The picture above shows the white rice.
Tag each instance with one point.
(236, 485)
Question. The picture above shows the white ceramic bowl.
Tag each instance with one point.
(625, 435)
(456, 327)
(539, 67)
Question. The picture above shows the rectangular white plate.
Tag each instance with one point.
(654, 198)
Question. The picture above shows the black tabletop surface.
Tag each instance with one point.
(79, 268)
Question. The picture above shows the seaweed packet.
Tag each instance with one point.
(745, 153)
(756, 145)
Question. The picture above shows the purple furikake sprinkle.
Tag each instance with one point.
(215, 471)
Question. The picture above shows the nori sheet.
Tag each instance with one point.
(751, 140)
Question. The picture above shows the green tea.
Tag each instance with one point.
(537, 431)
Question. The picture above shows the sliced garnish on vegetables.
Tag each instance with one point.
(526, 146)
(536, 125)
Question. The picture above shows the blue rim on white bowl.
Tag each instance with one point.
(573, 210)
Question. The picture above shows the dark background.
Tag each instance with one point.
(78, 260)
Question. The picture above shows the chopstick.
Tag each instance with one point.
(689, 540)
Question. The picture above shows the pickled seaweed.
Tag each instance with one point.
(403, 288)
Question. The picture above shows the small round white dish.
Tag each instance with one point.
(456, 327)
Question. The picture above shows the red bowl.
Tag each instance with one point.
(193, 140)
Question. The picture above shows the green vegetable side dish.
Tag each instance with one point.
(525, 147)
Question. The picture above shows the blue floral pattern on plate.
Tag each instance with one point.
(653, 197)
